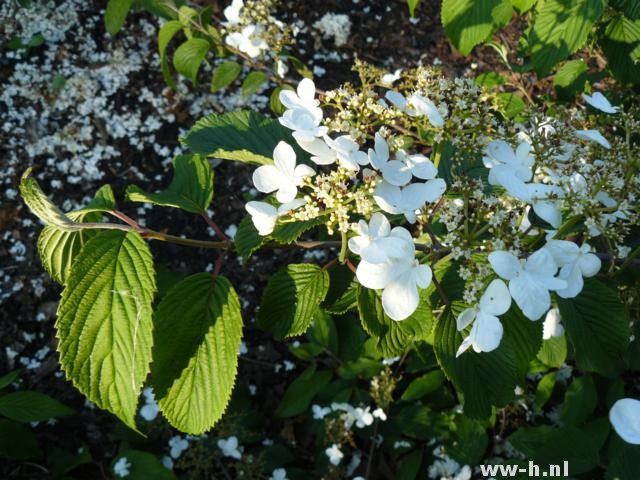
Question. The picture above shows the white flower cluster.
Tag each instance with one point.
(249, 40)
(388, 260)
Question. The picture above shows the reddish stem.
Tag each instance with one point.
(215, 226)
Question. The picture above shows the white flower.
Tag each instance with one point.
(395, 172)
(232, 12)
(248, 41)
(541, 197)
(389, 79)
(407, 200)
(487, 330)
(265, 216)
(347, 152)
(599, 101)
(151, 409)
(304, 123)
(278, 474)
(284, 177)
(377, 242)
(423, 106)
(529, 283)
(575, 263)
(594, 136)
(625, 418)
(121, 467)
(361, 417)
(420, 165)
(177, 445)
(281, 67)
(229, 447)
(509, 169)
(320, 412)
(380, 414)
(397, 99)
(320, 152)
(552, 327)
(334, 454)
(167, 462)
(303, 98)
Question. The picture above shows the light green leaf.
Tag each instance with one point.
(523, 5)
(561, 27)
(188, 57)
(598, 327)
(289, 232)
(191, 187)
(471, 22)
(115, 15)
(621, 29)
(224, 75)
(510, 104)
(545, 389)
(253, 82)
(194, 366)
(554, 351)
(243, 136)
(42, 207)
(391, 337)
(58, 248)
(490, 79)
(165, 34)
(298, 396)
(27, 406)
(571, 77)
(104, 324)
(291, 299)
(412, 4)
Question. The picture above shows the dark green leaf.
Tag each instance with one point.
(579, 401)
(32, 407)
(297, 398)
(17, 441)
(423, 385)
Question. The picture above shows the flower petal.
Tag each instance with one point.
(267, 178)
(400, 298)
(625, 418)
(306, 90)
(379, 226)
(284, 158)
(505, 264)
(486, 333)
(496, 299)
(589, 264)
(532, 298)
(375, 275)
(465, 318)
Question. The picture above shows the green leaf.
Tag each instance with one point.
(597, 326)
(253, 82)
(621, 29)
(554, 351)
(32, 407)
(571, 78)
(104, 324)
(298, 396)
(410, 466)
(188, 57)
(17, 441)
(58, 248)
(470, 22)
(579, 401)
(324, 331)
(561, 27)
(194, 366)
(191, 187)
(289, 232)
(243, 136)
(423, 385)
(247, 239)
(291, 299)
(469, 441)
(490, 79)
(224, 75)
(165, 34)
(274, 102)
(510, 104)
(623, 460)
(145, 466)
(621, 60)
(9, 378)
(630, 8)
(115, 15)
(545, 389)
(523, 5)
(391, 337)
(412, 4)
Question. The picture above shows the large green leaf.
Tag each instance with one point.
(247, 239)
(392, 337)
(488, 378)
(561, 27)
(191, 187)
(195, 362)
(115, 15)
(630, 8)
(579, 401)
(291, 299)
(104, 324)
(30, 406)
(470, 22)
(58, 248)
(598, 327)
(243, 136)
(189, 56)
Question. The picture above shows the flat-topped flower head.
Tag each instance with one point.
(600, 102)
(487, 330)
(347, 152)
(575, 263)
(529, 281)
(377, 242)
(284, 177)
(249, 40)
(509, 169)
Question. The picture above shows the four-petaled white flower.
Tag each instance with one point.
(423, 106)
(593, 136)
(575, 263)
(362, 417)
(407, 200)
(284, 177)
(529, 282)
(542, 199)
(303, 98)
(265, 215)
(347, 152)
(509, 169)
(625, 418)
(551, 326)
(393, 171)
(121, 467)
(232, 12)
(321, 153)
(248, 40)
(303, 115)
(600, 102)
(419, 165)
(380, 414)
(177, 445)
(377, 242)
(334, 454)
(487, 330)
(320, 412)
(229, 447)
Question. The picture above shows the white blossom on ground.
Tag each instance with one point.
(150, 409)
(278, 474)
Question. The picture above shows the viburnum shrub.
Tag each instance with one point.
(449, 223)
